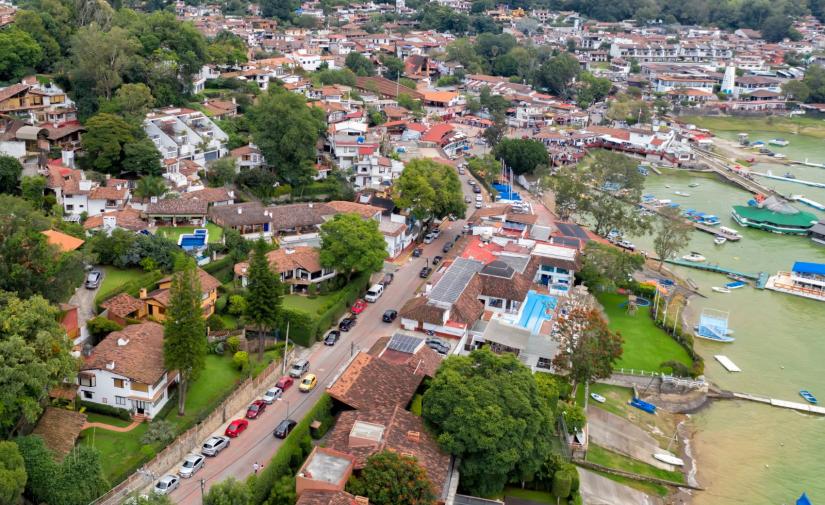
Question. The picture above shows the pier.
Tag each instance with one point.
(701, 227)
(783, 404)
(714, 268)
(719, 165)
(789, 179)
(808, 164)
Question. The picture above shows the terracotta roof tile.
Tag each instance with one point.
(122, 305)
(326, 498)
(59, 429)
(288, 259)
(63, 241)
(177, 207)
(368, 382)
(108, 193)
(141, 359)
(128, 219)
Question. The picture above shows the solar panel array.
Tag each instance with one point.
(452, 284)
(404, 343)
(571, 230)
(498, 269)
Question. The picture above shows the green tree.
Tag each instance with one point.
(12, 474)
(350, 244)
(359, 64)
(10, 172)
(606, 266)
(19, 54)
(32, 23)
(100, 59)
(429, 189)
(101, 326)
(264, 293)
(394, 67)
(228, 492)
(571, 193)
(796, 90)
(593, 90)
(35, 357)
(495, 132)
(221, 172)
(227, 49)
(574, 416)
(141, 157)
(487, 167)
(486, 409)
(815, 80)
(149, 186)
(147, 499)
(390, 478)
(777, 27)
(184, 337)
(672, 234)
(522, 155)
(104, 141)
(281, 9)
(76, 480)
(286, 131)
(131, 101)
(587, 348)
(558, 72)
(33, 189)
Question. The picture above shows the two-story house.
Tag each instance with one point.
(126, 370)
(247, 157)
(157, 301)
(84, 195)
(185, 134)
(298, 267)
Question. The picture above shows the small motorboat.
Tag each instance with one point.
(599, 398)
(720, 289)
(670, 459)
(778, 142)
(694, 257)
(693, 185)
(736, 284)
(643, 405)
(779, 156)
(681, 193)
(719, 240)
(789, 175)
(728, 331)
(808, 396)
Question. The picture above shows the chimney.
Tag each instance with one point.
(121, 342)
(240, 210)
(414, 436)
(110, 365)
(362, 500)
(143, 294)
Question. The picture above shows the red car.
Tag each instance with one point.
(236, 427)
(359, 306)
(284, 382)
(256, 409)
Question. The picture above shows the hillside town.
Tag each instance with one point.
(418, 252)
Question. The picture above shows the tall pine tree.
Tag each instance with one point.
(184, 342)
(264, 293)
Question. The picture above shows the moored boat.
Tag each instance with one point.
(720, 289)
(808, 396)
(694, 257)
(681, 193)
(670, 459)
(778, 142)
(805, 279)
(719, 240)
(729, 233)
(599, 398)
(736, 284)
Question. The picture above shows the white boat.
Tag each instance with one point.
(694, 257)
(599, 398)
(778, 142)
(670, 459)
(667, 186)
(693, 185)
(779, 156)
(720, 289)
(681, 193)
(719, 240)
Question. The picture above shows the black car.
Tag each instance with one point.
(437, 260)
(437, 346)
(389, 316)
(332, 337)
(425, 272)
(447, 247)
(283, 428)
(347, 323)
(476, 189)
(417, 252)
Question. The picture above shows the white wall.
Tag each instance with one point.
(105, 392)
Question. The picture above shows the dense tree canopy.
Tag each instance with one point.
(486, 409)
(390, 478)
(522, 155)
(19, 54)
(12, 474)
(351, 244)
(10, 171)
(587, 348)
(264, 292)
(429, 189)
(606, 266)
(113, 146)
(359, 64)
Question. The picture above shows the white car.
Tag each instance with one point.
(166, 484)
(428, 238)
(214, 445)
(272, 394)
(191, 464)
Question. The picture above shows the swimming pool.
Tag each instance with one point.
(537, 309)
(196, 240)
(505, 193)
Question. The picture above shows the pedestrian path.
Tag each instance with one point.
(120, 429)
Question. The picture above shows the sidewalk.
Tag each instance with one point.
(109, 427)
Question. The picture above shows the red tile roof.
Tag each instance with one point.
(369, 382)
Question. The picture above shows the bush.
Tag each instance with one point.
(241, 360)
(233, 343)
(237, 305)
(160, 432)
(100, 326)
(107, 410)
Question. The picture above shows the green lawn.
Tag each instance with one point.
(113, 277)
(173, 232)
(645, 487)
(529, 494)
(610, 459)
(645, 345)
(216, 381)
(797, 125)
(616, 398)
(119, 452)
(580, 391)
(269, 356)
(94, 417)
(305, 303)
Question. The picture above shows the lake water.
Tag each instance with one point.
(750, 453)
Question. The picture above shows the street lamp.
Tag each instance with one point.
(203, 486)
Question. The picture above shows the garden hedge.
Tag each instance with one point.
(133, 287)
(107, 410)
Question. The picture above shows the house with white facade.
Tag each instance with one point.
(85, 195)
(555, 266)
(299, 267)
(126, 370)
(247, 157)
(185, 134)
(375, 172)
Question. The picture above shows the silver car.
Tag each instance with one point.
(191, 464)
(271, 395)
(214, 445)
(166, 484)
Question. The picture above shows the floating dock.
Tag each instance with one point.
(783, 404)
(701, 227)
(808, 164)
(788, 179)
(714, 268)
(729, 365)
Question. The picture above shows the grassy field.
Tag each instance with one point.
(93, 417)
(645, 487)
(645, 345)
(172, 233)
(616, 398)
(305, 303)
(797, 125)
(529, 494)
(113, 277)
(218, 378)
(119, 452)
(610, 459)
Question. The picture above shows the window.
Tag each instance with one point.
(88, 395)
(86, 380)
(545, 363)
(138, 386)
(119, 383)
(496, 302)
(120, 400)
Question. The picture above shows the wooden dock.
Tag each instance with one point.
(783, 404)
(708, 267)
(789, 179)
(721, 166)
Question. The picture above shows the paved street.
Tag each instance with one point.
(257, 444)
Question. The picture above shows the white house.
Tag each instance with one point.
(126, 370)
(376, 172)
(85, 195)
(555, 266)
(185, 134)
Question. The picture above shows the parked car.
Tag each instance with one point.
(438, 346)
(374, 293)
(93, 279)
(283, 428)
(236, 427)
(389, 315)
(358, 307)
(436, 232)
(272, 394)
(471, 182)
(284, 383)
(417, 252)
(166, 484)
(214, 445)
(467, 199)
(255, 409)
(479, 204)
(460, 170)
(332, 337)
(476, 189)
(308, 384)
(425, 272)
(191, 464)
(347, 323)
(428, 238)
(447, 247)
(299, 368)
(467, 228)
(437, 260)
(387, 280)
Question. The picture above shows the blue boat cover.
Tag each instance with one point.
(803, 500)
(809, 268)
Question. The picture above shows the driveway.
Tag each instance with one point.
(84, 300)
(257, 444)
(620, 435)
(598, 490)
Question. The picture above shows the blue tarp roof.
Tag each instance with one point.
(803, 500)
(809, 268)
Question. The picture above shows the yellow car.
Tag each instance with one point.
(308, 383)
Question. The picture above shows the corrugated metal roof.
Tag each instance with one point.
(455, 279)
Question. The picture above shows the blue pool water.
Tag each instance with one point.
(505, 193)
(196, 240)
(535, 311)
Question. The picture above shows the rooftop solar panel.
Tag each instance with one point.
(404, 343)
(571, 230)
(455, 279)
